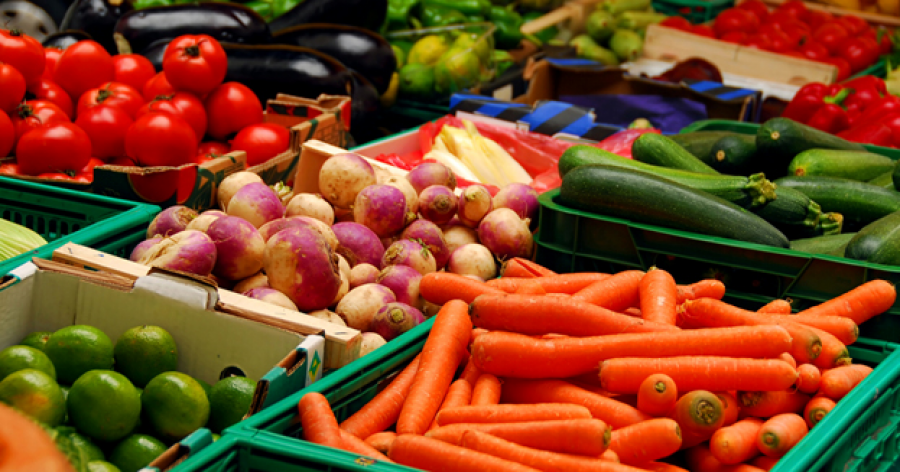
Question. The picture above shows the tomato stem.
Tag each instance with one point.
(193, 50)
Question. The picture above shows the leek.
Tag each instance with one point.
(16, 239)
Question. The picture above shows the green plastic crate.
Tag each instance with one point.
(696, 11)
(61, 216)
(878, 69)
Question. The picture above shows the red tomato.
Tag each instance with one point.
(88, 170)
(157, 86)
(794, 53)
(858, 53)
(779, 42)
(736, 37)
(123, 161)
(22, 52)
(886, 44)
(51, 56)
(796, 30)
(181, 104)
(854, 24)
(831, 35)
(842, 65)
(36, 114)
(814, 51)
(12, 88)
(195, 64)
(230, 108)
(7, 134)
(261, 142)
(161, 139)
(56, 147)
(214, 148)
(9, 168)
(734, 19)
(703, 30)
(133, 69)
(757, 7)
(817, 18)
(45, 89)
(794, 7)
(779, 16)
(83, 66)
(758, 41)
(115, 94)
(106, 126)
(677, 22)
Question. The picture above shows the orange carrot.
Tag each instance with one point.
(646, 441)
(636, 312)
(809, 379)
(531, 289)
(780, 433)
(712, 313)
(383, 410)
(624, 375)
(730, 406)
(700, 459)
(816, 409)
(318, 421)
(486, 390)
(834, 352)
(358, 446)
(546, 461)
(512, 413)
(471, 372)
(442, 353)
(709, 288)
(662, 467)
(459, 394)
(658, 293)
(441, 287)
(657, 395)
(535, 314)
(583, 437)
(787, 357)
(699, 414)
(519, 267)
(514, 355)
(842, 328)
(869, 299)
(736, 443)
(776, 307)
(765, 462)
(475, 333)
(613, 412)
(615, 293)
(610, 455)
(768, 404)
(381, 441)
(561, 284)
(430, 454)
(837, 383)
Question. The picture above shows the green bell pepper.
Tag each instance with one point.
(433, 16)
(280, 7)
(507, 35)
(466, 7)
(475, 19)
(262, 7)
(141, 4)
(544, 35)
(398, 13)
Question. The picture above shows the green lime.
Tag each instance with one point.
(175, 405)
(472, 42)
(229, 401)
(65, 392)
(87, 450)
(34, 393)
(77, 349)
(37, 339)
(427, 50)
(101, 466)
(15, 358)
(206, 387)
(457, 72)
(416, 81)
(136, 452)
(104, 405)
(143, 352)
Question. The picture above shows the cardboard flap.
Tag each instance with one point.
(188, 291)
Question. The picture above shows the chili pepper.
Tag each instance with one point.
(142, 4)
(866, 82)
(885, 106)
(475, 19)
(262, 7)
(830, 118)
(466, 7)
(508, 22)
(872, 132)
(502, 60)
(398, 13)
(433, 16)
(280, 7)
(805, 103)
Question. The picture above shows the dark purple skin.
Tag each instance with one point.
(519, 198)
(142, 248)
(170, 221)
(256, 203)
(430, 235)
(239, 247)
(195, 254)
(381, 208)
(275, 226)
(410, 253)
(403, 281)
(394, 319)
(438, 204)
(431, 173)
(358, 244)
(505, 234)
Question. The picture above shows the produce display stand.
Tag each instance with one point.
(876, 19)
(59, 215)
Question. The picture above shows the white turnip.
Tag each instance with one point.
(403, 281)
(358, 244)
(343, 290)
(473, 259)
(474, 203)
(438, 204)
(410, 253)
(370, 342)
(311, 205)
(300, 264)
(394, 319)
(343, 176)
(359, 306)
(170, 221)
(322, 228)
(362, 274)
(328, 316)
(519, 198)
(381, 208)
(431, 173)
(505, 234)
(231, 184)
(270, 295)
(280, 224)
(202, 222)
(189, 251)
(143, 246)
(431, 236)
(239, 248)
(256, 203)
(257, 280)
(456, 236)
(409, 193)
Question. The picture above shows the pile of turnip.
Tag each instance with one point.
(354, 253)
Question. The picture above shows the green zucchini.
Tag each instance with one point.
(748, 192)
(833, 245)
(659, 150)
(861, 203)
(794, 214)
(646, 198)
(733, 154)
(853, 165)
(879, 242)
(885, 180)
(896, 176)
(700, 143)
(780, 139)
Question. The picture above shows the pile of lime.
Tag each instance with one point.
(438, 65)
(114, 407)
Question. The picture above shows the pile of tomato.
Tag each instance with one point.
(64, 112)
(847, 42)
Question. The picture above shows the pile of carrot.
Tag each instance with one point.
(605, 372)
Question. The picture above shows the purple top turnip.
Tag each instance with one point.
(430, 235)
(505, 234)
(403, 281)
(280, 224)
(370, 342)
(170, 221)
(202, 222)
(270, 295)
(239, 248)
(189, 251)
(362, 274)
(381, 208)
(359, 306)
(519, 198)
(474, 203)
(473, 259)
(256, 280)
(409, 193)
(231, 184)
(144, 246)
(311, 205)
(343, 176)
(456, 236)
(256, 203)
(322, 228)
(437, 204)
(431, 173)
(300, 264)
(394, 319)
(358, 244)
(410, 253)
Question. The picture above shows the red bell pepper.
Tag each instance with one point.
(805, 103)
(881, 108)
(830, 116)
(892, 121)
(866, 82)
(872, 132)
